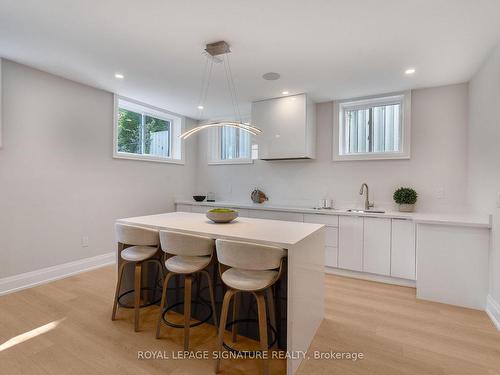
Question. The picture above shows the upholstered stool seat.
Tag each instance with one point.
(248, 280)
(140, 245)
(187, 256)
(248, 268)
(186, 264)
(138, 253)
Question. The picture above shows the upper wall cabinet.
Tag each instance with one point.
(288, 125)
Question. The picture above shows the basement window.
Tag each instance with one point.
(143, 132)
(228, 145)
(373, 128)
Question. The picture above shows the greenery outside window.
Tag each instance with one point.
(144, 132)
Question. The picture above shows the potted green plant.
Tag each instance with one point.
(406, 198)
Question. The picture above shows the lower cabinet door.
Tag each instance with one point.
(377, 246)
(350, 245)
(331, 255)
(403, 249)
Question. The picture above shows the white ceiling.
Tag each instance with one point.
(330, 49)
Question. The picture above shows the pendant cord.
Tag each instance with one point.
(207, 77)
(232, 87)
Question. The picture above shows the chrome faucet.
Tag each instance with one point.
(368, 204)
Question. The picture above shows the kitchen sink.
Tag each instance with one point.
(365, 211)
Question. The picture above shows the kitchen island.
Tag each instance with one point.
(304, 243)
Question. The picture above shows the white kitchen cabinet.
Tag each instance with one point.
(350, 243)
(330, 220)
(331, 223)
(288, 125)
(377, 246)
(453, 264)
(403, 249)
(276, 215)
(331, 256)
(331, 236)
(183, 207)
(200, 209)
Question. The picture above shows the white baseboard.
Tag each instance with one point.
(493, 311)
(370, 277)
(30, 279)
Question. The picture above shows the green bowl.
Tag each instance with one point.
(222, 215)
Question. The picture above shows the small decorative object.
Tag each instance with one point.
(199, 198)
(406, 199)
(222, 215)
(258, 196)
(210, 197)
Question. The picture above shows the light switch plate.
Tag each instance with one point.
(85, 241)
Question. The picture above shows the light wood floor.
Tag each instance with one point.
(396, 333)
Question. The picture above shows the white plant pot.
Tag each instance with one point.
(406, 207)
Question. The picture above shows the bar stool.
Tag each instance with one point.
(140, 246)
(187, 255)
(247, 267)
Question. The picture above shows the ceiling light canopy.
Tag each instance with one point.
(217, 53)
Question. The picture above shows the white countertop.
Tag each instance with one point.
(469, 220)
(279, 233)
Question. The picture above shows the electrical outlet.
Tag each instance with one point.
(440, 193)
(85, 241)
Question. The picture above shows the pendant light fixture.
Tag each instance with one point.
(217, 53)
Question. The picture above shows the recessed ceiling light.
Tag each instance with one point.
(410, 71)
(119, 76)
(284, 92)
(200, 107)
(271, 76)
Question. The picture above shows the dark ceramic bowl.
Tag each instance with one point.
(199, 198)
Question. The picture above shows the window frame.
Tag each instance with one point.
(215, 148)
(360, 103)
(177, 125)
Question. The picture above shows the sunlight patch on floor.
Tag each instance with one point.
(19, 339)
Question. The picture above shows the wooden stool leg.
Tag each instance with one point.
(222, 326)
(163, 303)
(212, 299)
(137, 293)
(236, 313)
(187, 309)
(261, 306)
(117, 291)
(271, 308)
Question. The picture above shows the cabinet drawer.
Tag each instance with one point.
(331, 256)
(330, 220)
(183, 208)
(331, 236)
(276, 215)
(200, 209)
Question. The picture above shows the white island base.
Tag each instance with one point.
(305, 245)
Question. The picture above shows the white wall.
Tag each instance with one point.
(58, 180)
(484, 154)
(439, 124)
